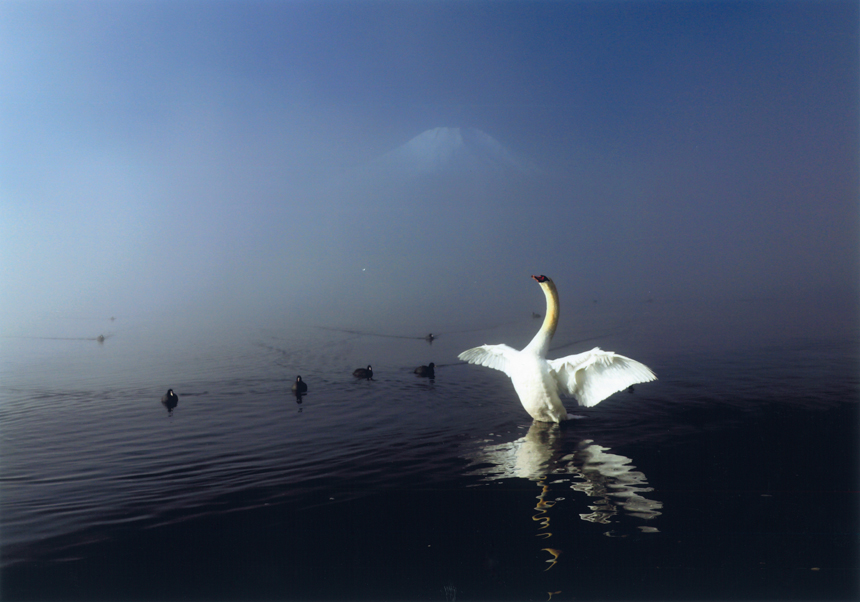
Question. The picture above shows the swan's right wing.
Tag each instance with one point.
(497, 357)
(594, 375)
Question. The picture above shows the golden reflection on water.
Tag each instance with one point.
(555, 554)
(542, 506)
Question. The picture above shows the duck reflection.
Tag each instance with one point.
(610, 480)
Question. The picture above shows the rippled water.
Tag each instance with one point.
(734, 475)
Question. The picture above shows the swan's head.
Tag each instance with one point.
(544, 281)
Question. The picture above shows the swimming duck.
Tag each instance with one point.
(300, 386)
(363, 373)
(428, 371)
(170, 400)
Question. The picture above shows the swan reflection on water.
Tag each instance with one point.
(552, 457)
(545, 453)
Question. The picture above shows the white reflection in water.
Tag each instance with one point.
(610, 480)
(550, 457)
(613, 482)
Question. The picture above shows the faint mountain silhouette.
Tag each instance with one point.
(447, 153)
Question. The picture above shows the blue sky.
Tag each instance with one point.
(165, 156)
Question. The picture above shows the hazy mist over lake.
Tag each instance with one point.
(234, 161)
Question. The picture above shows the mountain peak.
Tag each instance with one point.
(453, 150)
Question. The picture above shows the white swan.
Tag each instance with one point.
(589, 377)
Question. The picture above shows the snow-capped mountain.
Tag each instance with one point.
(449, 150)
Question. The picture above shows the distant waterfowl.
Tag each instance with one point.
(535, 315)
(170, 400)
(363, 373)
(428, 371)
(429, 337)
(300, 386)
(590, 377)
(100, 338)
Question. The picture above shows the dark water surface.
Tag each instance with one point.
(734, 476)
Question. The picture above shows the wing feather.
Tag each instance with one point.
(593, 376)
(497, 357)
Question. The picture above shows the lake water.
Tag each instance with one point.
(734, 476)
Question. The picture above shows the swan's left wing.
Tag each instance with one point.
(594, 375)
(498, 357)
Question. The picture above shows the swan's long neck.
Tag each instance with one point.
(540, 343)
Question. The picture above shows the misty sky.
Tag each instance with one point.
(160, 157)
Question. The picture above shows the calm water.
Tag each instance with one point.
(734, 476)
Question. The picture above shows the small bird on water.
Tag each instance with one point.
(300, 386)
(428, 371)
(170, 400)
(363, 373)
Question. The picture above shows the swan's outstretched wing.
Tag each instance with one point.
(498, 357)
(594, 375)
